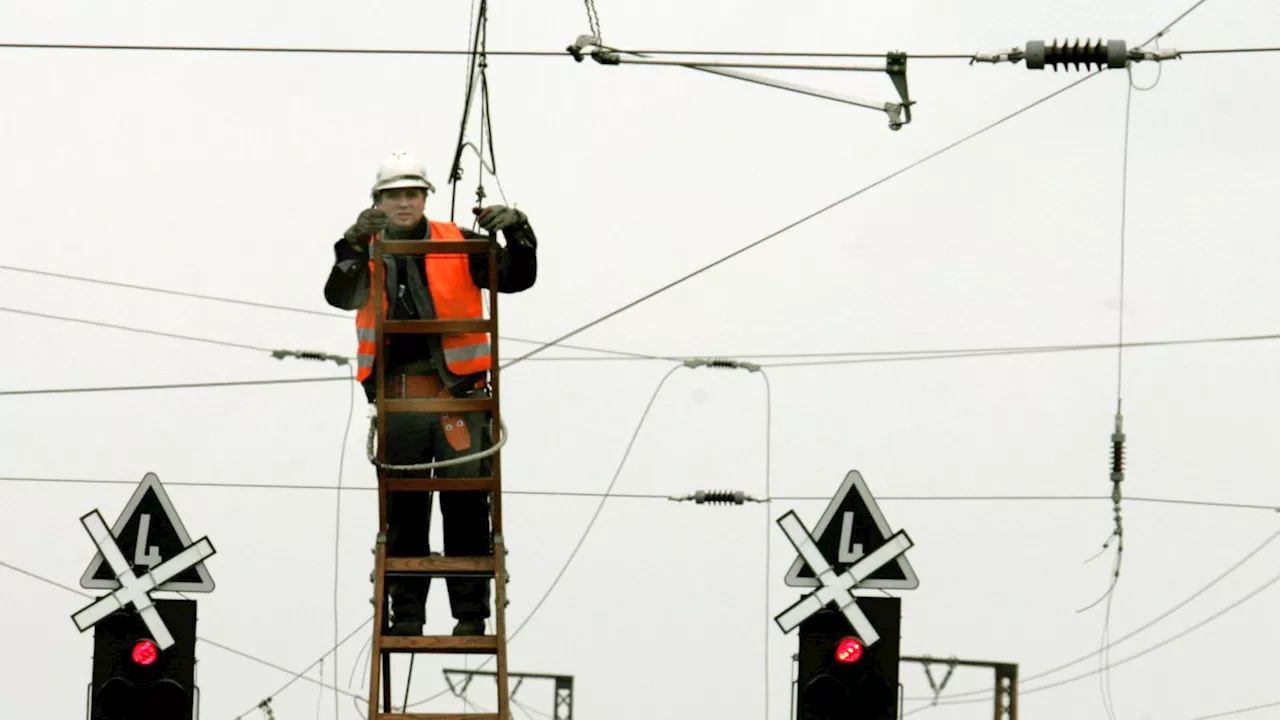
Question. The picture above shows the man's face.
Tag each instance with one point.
(404, 206)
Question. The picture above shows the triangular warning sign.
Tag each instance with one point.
(148, 532)
(852, 527)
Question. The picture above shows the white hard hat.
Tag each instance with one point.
(401, 170)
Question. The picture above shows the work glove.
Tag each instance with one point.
(371, 220)
(498, 217)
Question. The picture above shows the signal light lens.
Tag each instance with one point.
(849, 650)
(145, 652)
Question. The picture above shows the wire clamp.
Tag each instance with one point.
(599, 53)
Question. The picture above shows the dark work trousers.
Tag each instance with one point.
(419, 438)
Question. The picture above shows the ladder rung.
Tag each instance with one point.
(418, 247)
(429, 483)
(439, 405)
(462, 644)
(438, 716)
(439, 565)
(435, 327)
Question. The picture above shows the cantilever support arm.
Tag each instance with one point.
(895, 66)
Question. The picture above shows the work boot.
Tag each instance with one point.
(408, 611)
(410, 626)
(469, 626)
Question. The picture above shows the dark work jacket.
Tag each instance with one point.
(410, 299)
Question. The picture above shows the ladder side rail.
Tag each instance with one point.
(377, 290)
(499, 539)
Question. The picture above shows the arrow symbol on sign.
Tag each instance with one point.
(142, 555)
(847, 553)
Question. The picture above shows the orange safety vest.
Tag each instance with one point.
(455, 297)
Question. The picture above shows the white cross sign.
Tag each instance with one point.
(833, 587)
(135, 589)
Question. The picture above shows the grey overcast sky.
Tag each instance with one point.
(232, 174)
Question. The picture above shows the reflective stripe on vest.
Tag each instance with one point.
(455, 297)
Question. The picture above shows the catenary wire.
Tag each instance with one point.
(1104, 644)
(272, 665)
(845, 358)
(337, 534)
(1230, 51)
(1177, 636)
(796, 223)
(112, 326)
(593, 17)
(320, 698)
(1104, 650)
(177, 293)
(301, 675)
(176, 386)
(525, 53)
(1239, 711)
(841, 358)
(530, 710)
(768, 527)
(1124, 216)
(456, 167)
(270, 306)
(260, 661)
(659, 496)
(211, 341)
(794, 53)
(910, 56)
(1146, 651)
(272, 50)
(362, 664)
(1142, 628)
(586, 531)
(1173, 22)
(905, 356)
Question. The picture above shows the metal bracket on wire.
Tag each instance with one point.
(457, 691)
(938, 687)
(895, 65)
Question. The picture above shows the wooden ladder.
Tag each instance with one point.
(436, 566)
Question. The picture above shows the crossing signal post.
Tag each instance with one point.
(848, 659)
(144, 648)
(840, 677)
(133, 677)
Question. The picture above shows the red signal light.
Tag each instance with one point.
(145, 652)
(849, 650)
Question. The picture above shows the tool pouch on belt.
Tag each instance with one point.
(430, 386)
(456, 431)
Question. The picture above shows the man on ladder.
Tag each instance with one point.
(437, 287)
